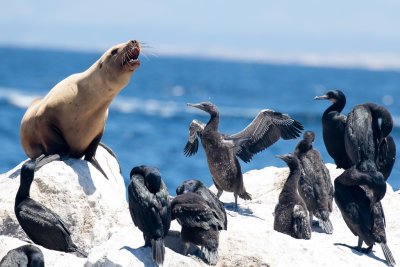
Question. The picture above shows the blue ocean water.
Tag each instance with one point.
(148, 121)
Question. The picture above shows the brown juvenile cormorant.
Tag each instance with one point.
(200, 224)
(333, 127)
(150, 208)
(43, 226)
(358, 196)
(24, 256)
(195, 186)
(291, 216)
(315, 185)
(221, 149)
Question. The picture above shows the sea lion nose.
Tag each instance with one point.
(133, 42)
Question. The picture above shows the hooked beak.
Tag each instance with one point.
(194, 105)
(323, 97)
(279, 156)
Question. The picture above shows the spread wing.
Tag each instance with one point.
(191, 210)
(267, 127)
(195, 130)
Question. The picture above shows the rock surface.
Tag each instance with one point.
(96, 212)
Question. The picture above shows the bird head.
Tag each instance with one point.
(333, 96)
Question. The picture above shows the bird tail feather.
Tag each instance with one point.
(158, 250)
(388, 254)
(326, 225)
(210, 255)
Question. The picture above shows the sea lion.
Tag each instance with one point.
(70, 120)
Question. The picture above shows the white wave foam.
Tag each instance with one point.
(16, 97)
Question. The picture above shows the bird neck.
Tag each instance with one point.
(23, 193)
(292, 181)
(213, 122)
(337, 106)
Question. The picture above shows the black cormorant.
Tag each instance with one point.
(24, 256)
(200, 224)
(195, 186)
(43, 226)
(366, 139)
(221, 150)
(333, 127)
(315, 185)
(358, 195)
(291, 215)
(150, 208)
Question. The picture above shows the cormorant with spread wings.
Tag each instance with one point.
(221, 149)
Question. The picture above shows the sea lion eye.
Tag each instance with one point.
(114, 51)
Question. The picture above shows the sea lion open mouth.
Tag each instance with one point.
(132, 54)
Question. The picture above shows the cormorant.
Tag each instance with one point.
(291, 216)
(358, 195)
(43, 226)
(221, 149)
(24, 256)
(333, 127)
(366, 141)
(315, 185)
(200, 224)
(150, 208)
(195, 186)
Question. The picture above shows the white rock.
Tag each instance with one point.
(96, 211)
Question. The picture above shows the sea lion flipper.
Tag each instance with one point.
(109, 150)
(96, 164)
(45, 159)
(91, 151)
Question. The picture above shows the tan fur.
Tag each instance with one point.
(75, 111)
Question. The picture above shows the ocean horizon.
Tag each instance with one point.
(148, 121)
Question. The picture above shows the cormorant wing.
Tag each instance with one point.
(266, 128)
(144, 207)
(195, 129)
(191, 210)
(301, 228)
(36, 212)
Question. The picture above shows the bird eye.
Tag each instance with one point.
(114, 51)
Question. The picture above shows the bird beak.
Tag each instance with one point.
(194, 105)
(323, 97)
(279, 156)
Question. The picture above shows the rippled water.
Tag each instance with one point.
(148, 121)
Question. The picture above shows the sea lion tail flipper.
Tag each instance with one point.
(109, 150)
(96, 164)
(45, 159)
(158, 250)
(388, 254)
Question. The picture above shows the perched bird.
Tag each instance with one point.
(366, 140)
(358, 195)
(200, 224)
(291, 215)
(359, 190)
(221, 149)
(315, 185)
(195, 186)
(24, 256)
(333, 127)
(150, 208)
(43, 226)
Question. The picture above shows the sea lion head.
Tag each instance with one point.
(119, 62)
